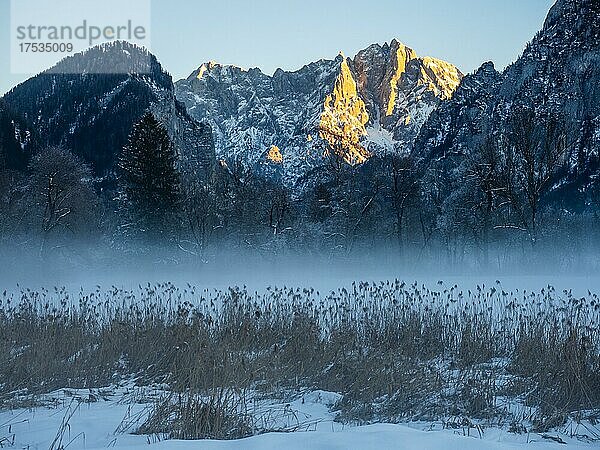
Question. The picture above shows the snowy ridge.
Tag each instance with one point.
(557, 76)
(81, 105)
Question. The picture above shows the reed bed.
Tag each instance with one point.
(395, 351)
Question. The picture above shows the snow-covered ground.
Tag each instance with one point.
(75, 422)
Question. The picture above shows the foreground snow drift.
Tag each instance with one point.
(381, 436)
(72, 424)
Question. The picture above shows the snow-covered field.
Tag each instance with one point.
(75, 422)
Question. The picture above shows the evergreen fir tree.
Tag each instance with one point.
(150, 183)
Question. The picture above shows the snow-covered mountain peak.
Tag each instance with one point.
(373, 102)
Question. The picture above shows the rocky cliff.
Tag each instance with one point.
(375, 102)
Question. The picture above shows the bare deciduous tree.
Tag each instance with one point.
(534, 152)
(404, 189)
(60, 196)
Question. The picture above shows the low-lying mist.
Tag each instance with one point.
(226, 267)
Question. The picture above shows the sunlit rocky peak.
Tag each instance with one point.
(344, 117)
(440, 77)
(372, 103)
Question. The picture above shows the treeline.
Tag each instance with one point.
(485, 205)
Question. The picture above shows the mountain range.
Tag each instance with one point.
(375, 102)
(385, 99)
(557, 77)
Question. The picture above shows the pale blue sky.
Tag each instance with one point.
(290, 33)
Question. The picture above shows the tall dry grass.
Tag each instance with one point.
(395, 351)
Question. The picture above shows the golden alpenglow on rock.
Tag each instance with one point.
(403, 56)
(344, 118)
(440, 77)
(275, 155)
(201, 71)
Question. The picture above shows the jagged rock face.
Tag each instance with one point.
(557, 75)
(403, 89)
(193, 140)
(344, 117)
(457, 124)
(250, 112)
(379, 69)
(372, 103)
(91, 113)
